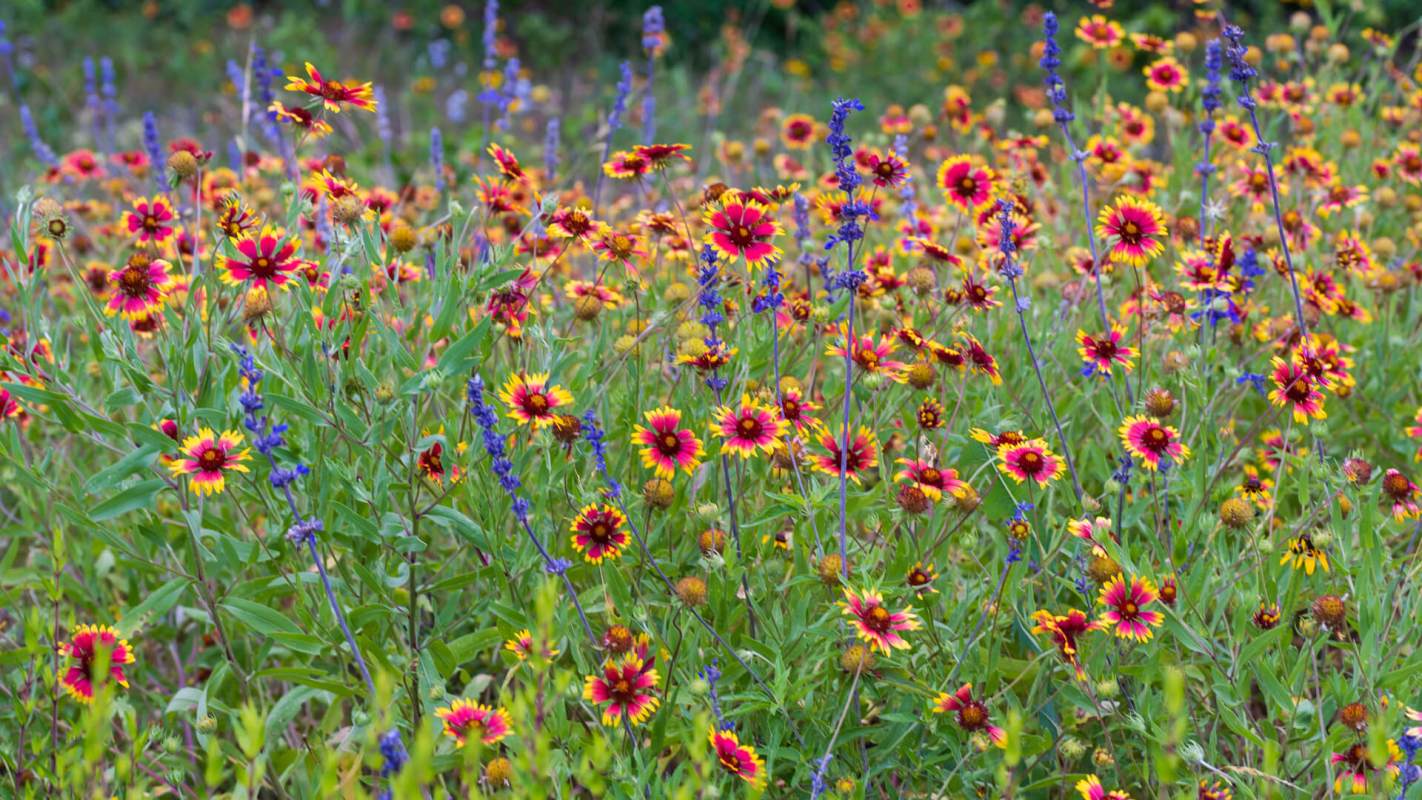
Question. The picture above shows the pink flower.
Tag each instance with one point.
(874, 623)
(1128, 612)
(743, 229)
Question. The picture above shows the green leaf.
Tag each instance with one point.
(155, 604)
(452, 360)
(456, 521)
(139, 495)
(285, 710)
(269, 622)
(113, 474)
(443, 657)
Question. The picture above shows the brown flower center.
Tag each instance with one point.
(211, 459)
(134, 281)
(878, 619)
(972, 715)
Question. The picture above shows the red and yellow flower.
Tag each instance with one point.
(1399, 491)
(531, 401)
(1091, 789)
(874, 623)
(1132, 231)
(863, 454)
(1100, 353)
(618, 247)
(871, 355)
(933, 481)
(749, 427)
(795, 409)
(1166, 75)
(626, 165)
(573, 223)
(1087, 529)
(798, 131)
(1064, 630)
(666, 446)
(627, 689)
(9, 409)
(972, 714)
(509, 168)
(743, 229)
(140, 288)
(522, 646)
(1030, 460)
(334, 95)
(431, 464)
(1355, 765)
(1151, 442)
(267, 259)
(83, 653)
(887, 170)
(465, 720)
(966, 185)
(315, 127)
(1294, 388)
(1415, 431)
(150, 220)
(1128, 612)
(738, 759)
(979, 360)
(208, 457)
(921, 576)
(1099, 32)
(661, 156)
(1255, 487)
(597, 532)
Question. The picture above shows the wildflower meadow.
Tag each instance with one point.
(857, 399)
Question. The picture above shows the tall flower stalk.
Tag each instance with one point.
(1051, 63)
(266, 438)
(709, 297)
(850, 231)
(1210, 102)
(489, 97)
(1020, 304)
(1242, 73)
(503, 469)
(771, 301)
(653, 26)
(614, 123)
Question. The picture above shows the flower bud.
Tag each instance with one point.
(921, 375)
(856, 659)
(183, 164)
(1236, 512)
(691, 590)
(498, 771)
(1330, 610)
(658, 493)
(1160, 402)
(348, 210)
(403, 238)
